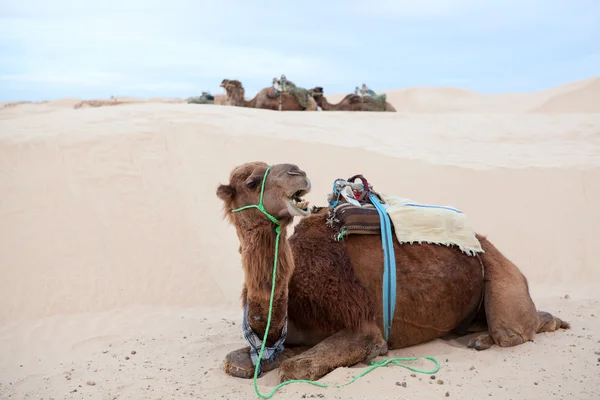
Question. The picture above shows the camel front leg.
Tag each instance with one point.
(342, 349)
(239, 364)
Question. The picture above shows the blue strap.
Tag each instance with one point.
(389, 267)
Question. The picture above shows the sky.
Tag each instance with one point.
(178, 48)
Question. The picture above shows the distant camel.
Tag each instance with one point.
(268, 98)
(205, 98)
(352, 102)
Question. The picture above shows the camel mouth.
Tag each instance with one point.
(297, 206)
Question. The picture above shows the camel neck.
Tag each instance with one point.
(322, 102)
(258, 254)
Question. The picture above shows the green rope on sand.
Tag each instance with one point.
(372, 364)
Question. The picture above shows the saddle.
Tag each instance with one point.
(350, 210)
(273, 93)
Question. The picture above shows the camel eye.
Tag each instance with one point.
(252, 184)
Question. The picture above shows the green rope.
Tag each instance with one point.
(372, 364)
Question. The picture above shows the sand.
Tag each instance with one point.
(120, 279)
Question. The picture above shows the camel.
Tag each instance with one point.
(204, 98)
(268, 98)
(332, 290)
(352, 102)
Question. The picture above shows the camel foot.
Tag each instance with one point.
(342, 349)
(481, 342)
(239, 364)
(384, 349)
(549, 323)
(375, 352)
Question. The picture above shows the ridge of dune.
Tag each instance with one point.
(582, 96)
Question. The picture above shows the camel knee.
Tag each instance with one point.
(342, 349)
(509, 337)
(304, 367)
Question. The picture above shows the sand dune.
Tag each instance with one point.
(581, 99)
(112, 239)
(576, 97)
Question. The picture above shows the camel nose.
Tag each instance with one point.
(293, 169)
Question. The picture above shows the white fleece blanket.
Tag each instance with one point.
(415, 222)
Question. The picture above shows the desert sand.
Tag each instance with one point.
(121, 280)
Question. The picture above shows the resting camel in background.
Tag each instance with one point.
(267, 98)
(352, 102)
(332, 290)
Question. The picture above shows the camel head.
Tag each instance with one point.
(284, 187)
(231, 83)
(234, 90)
(316, 92)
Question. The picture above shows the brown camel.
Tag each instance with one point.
(332, 290)
(352, 102)
(267, 98)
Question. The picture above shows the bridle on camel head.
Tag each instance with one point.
(260, 205)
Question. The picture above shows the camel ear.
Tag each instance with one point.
(225, 192)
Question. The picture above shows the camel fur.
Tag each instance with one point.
(265, 99)
(332, 290)
(352, 102)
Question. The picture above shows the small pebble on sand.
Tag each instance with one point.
(432, 377)
(127, 357)
(447, 394)
(413, 375)
(440, 382)
(403, 384)
(133, 352)
(91, 383)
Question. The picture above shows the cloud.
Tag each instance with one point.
(141, 51)
(180, 47)
(79, 78)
